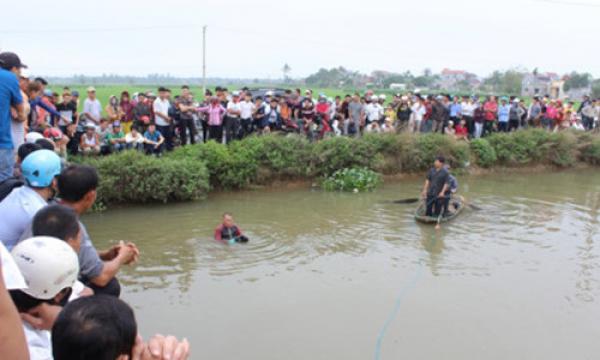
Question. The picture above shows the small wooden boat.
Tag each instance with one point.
(455, 207)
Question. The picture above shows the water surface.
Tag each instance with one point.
(324, 271)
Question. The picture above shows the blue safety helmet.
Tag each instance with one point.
(40, 167)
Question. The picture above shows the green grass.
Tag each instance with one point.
(103, 92)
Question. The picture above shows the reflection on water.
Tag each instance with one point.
(535, 237)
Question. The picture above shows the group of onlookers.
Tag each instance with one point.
(154, 123)
(59, 294)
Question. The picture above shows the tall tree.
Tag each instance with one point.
(577, 80)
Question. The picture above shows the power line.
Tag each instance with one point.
(572, 3)
(98, 30)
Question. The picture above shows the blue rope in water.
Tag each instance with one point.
(403, 291)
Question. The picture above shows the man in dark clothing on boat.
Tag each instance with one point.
(228, 231)
(436, 185)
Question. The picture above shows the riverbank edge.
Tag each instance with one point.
(275, 161)
(278, 185)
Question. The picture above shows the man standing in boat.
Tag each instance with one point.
(436, 185)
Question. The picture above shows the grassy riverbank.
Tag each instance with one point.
(189, 173)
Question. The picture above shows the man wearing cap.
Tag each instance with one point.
(10, 96)
(92, 109)
(162, 120)
(232, 117)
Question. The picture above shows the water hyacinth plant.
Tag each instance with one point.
(352, 179)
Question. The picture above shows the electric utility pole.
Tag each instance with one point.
(203, 60)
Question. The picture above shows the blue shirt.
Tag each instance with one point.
(38, 102)
(455, 110)
(503, 113)
(153, 137)
(10, 95)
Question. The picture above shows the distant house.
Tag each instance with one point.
(454, 79)
(550, 84)
(578, 94)
(540, 84)
(396, 86)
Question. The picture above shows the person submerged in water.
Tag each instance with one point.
(228, 231)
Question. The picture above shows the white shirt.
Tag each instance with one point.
(16, 212)
(235, 106)
(38, 342)
(418, 111)
(13, 279)
(130, 139)
(374, 111)
(94, 108)
(246, 107)
(161, 106)
(468, 109)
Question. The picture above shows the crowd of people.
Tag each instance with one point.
(153, 123)
(66, 290)
(59, 294)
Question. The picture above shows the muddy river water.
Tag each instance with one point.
(353, 276)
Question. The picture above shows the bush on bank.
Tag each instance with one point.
(131, 177)
(188, 172)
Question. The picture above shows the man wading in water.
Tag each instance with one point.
(436, 185)
(229, 232)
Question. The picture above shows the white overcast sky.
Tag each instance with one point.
(254, 38)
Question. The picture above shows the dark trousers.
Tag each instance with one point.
(73, 145)
(247, 127)
(204, 127)
(513, 125)
(186, 125)
(503, 126)
(587, 122)
(434, 205)
(215, 132)
(232, 127)
(488, 127)
(167, 133)
(151, 149)
(470, 124)
(113, 288)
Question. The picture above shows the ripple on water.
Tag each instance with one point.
(520, 232)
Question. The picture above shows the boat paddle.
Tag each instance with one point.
(406, 201)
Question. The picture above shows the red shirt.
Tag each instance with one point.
(490, 108)
(223, 233)
(460, 131)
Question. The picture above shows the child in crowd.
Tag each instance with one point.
(461, 131)
(450, 131)
(90, 141)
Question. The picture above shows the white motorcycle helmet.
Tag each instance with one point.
(48, 265)
(32, 137)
